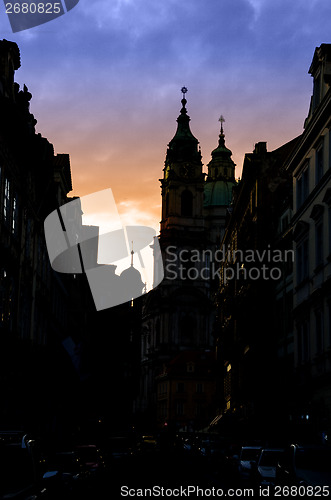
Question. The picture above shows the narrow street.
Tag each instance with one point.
(169, 471)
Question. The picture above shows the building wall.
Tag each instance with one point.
(38, 379)
(311, 222)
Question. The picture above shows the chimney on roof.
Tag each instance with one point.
(260, 148)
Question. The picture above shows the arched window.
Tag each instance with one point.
(187, 328)
(187, 203)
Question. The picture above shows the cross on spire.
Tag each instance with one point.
(222, 120)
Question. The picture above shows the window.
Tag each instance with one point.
(180, 387)
(303, 341)
(319, 163)
(319, 243)
(187, 203)
(317, 91)
(284, 223)
(190, 367)
(199, 409)
(302, 260)
(163, 388)
(302, 186)
(317, 215)
(187, 328)
(14, 219)
(6, 204)
(319, 323)
(7, 295)
(199, 388)
(227, 381)
(179, 408)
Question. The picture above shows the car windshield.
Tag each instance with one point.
(270, 458)
(313, 459)
(249, 454)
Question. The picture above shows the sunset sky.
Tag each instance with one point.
(106, 80)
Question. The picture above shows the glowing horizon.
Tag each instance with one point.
(106, 80)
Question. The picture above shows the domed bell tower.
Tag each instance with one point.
(183, 180)
(218, 189)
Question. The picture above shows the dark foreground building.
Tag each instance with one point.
(34, 317)
(65, 368)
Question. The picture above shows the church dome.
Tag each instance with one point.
(221, 179)
(218, 193)
(132, 282)
(221, 152)
(131, 273)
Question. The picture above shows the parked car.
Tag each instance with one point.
(20, 477)
(91, 458)
(119, 448)
(305, 465)
(64, 474)
(147, 443)
(264, 470)
(247, 456)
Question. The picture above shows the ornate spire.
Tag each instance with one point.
(221, 141)
(183, 111)
(221, 164)
(183, 146)
(183, 118)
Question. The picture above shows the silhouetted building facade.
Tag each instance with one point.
(310, 166)
(274, 326)
(252, 265)
(38, 379)
(178, 315)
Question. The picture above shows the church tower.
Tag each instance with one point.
(177, 320)
(218, 189)
(183, 180)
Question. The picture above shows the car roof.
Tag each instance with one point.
(251, 447)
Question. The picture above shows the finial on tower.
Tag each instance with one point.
(222, 120)
(132, 253)
(184, 101)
